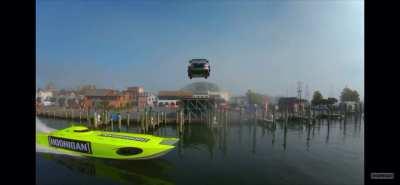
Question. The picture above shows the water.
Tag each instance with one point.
(235, 153)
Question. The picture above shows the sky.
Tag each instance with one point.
(265, 46)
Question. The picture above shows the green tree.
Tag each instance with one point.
(349, 95)
(255, 98)
(331, 101)
(317, 98)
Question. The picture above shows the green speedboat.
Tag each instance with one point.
(113, 145)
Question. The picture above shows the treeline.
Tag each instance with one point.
(347, 95)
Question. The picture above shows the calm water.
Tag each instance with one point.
(235, 153)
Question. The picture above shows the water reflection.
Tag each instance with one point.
(254, 138)
(328, 130)
(126, 172)
(217, 135)
(224, 145)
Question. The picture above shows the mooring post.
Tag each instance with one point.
(140, 118)
(127, 120)
(145, 120)
(182, 117)
(158, 118)
(226, 117)
(87, 117)
(177, 117)
(119, 121)
(162, 118)
(181, 121)
(165, 118)
(105, 118)
(142, 122)
(152, 121)
(95, 120)
(112, 124)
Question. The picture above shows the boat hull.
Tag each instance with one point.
(112, 145)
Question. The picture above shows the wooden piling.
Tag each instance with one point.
(141, 121)
(119, 121)
(158, 118)
(145, 121)
(87, 116)
(152, 124)
(127, 120)
(112, 125)
(181, 121)
(161, 117)
(177, 117)
(95, 120)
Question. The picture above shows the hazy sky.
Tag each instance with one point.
(266, 46)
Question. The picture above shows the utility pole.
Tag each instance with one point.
(299, 91)
(307, 97)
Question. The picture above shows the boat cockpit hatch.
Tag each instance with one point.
(82, 130)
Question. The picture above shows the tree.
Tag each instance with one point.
(349, 95)
(317, 98)
(331, 101)
(254, 98)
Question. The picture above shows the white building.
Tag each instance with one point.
(167, 103)
(222, 95)
(44, 95)
(151, 99)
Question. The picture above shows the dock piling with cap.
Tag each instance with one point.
(119, 121)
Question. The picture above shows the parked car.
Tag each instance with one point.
(199, 68)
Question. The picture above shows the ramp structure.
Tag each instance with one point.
(198, 106)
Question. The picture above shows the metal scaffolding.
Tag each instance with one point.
(198, 107)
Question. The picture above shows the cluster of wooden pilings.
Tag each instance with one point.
(73, 115)
(151, 120)
(148, 120)
(210, 117)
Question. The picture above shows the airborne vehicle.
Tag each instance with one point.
(101, 144)
(199, 68)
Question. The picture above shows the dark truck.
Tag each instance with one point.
(199, 68)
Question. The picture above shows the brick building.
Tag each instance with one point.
(110, 98)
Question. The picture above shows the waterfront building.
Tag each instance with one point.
(146, 99)
(291, 104)
(136, 97)
(172, 99)
(111, 98)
